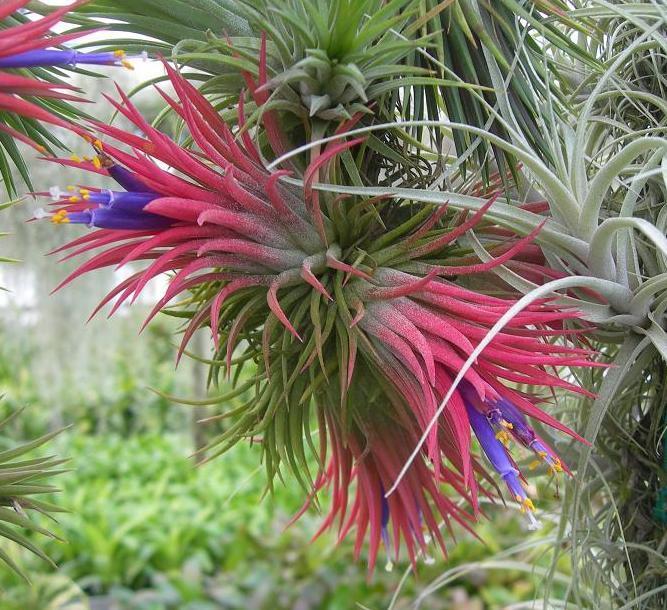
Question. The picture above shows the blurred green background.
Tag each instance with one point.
(147, 529)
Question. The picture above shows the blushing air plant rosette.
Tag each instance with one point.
(411, 228)
(357, 313)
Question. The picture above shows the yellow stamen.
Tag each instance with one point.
(97, 163)
(105, 161)
(75, 158)
(503, 437)
(534, 464)
(60, 217)
(526, 504)
(74, 199)
(505, 424)
(120, 54)
(98, 144)
(84, 191)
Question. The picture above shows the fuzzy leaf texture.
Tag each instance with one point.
(356, 312)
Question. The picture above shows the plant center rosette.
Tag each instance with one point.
(351, 318)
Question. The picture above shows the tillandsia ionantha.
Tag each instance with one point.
(354, 314)
(27, 48)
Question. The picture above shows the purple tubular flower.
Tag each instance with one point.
(497, 454)
(116, 200)
(385, 531)
(385, 510)
(492, 447)
(126, 201)
(40, 58)
(509, 420)
(130, 202)
(127, 179)
(505, 412)
(108, 218)
(78, 218)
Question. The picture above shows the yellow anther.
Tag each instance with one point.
(84, 191)
(97, 163)
(127, 64)
(75, 158)
(505, 424)
(74, 199)
(98, 144)
(526, 504)
(503, 437)
(543, 454)
(119, 53)
(60, 217)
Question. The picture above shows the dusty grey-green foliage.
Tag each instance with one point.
(605, 180)
(574, 92)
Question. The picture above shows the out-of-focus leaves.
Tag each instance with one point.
(23, 479)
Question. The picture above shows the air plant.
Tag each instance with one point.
(29, 94)
(22, 478)
(358, 314)
(636, 97)
(327, 61)
(417, 60)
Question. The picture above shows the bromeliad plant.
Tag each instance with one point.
(327, 61)
(22, 478)
(331, 58)
(362, 306)
(30, 90)
(358, 314)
